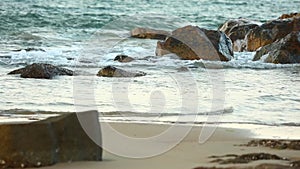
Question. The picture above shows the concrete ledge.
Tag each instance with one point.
(50, 141)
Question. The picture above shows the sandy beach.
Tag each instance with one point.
(188, 154)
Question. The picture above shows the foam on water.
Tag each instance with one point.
(86, 36)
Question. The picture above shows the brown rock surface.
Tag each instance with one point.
(146, 33)
(270, 32)
(46, 142)
(291, 15)
(192, 42)
(284, 51)
(123, 58)
(111, 71)
(236, 30)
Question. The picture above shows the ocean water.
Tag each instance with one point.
(86, 35)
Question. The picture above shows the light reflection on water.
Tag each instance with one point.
(255, 96)
(255, 92)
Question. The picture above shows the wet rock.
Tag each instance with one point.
(160, 49)
(111, 71)
(246, 158)
(41, 71)
(276, 144)
(123, 58)
(236, 30)
(50, 141)
(270, 32)
(291, 15)
(182, 69)
(284, 51)
(146, 33)
(192, 42)
(295, 164)
(30, 49)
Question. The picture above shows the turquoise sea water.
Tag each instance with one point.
(85, 35)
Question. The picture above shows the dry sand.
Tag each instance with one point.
(188, 154)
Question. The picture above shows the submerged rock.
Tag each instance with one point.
(284, 51)
(41, 71)
(192, 42)
(30, 49)
(111, 71)
(236, 30)
(123, 58)
(270, 32)
(50, 141)
(182, 69)
(146, 33)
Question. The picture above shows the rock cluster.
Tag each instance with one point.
(276, 41)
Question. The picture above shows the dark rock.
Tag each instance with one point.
(236, 30)
(270, 32)
(192, 42)
(284, 51)
(123, 58)
(246, 158)
(295, 164)
(30, 49)
(69, 58)
(182, 69)
(146, 33)
(276, 144)
(291, 15)
(261, 166)
(111, 71)
(41, 71)
(50, 141)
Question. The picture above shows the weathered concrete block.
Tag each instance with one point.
(53, 140)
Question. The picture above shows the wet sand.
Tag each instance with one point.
(188, 154)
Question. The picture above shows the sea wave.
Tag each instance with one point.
(75, 57)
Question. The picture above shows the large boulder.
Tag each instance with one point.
(236, 30)
(41, 71)
(192, 42)
(50, 141)
(270, 32)
(111, 71)
(146, 33)
(286, 50)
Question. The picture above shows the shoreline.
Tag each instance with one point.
(130, 145)
(255, 130)
(187, 154)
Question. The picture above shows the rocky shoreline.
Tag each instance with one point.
(276, 41)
